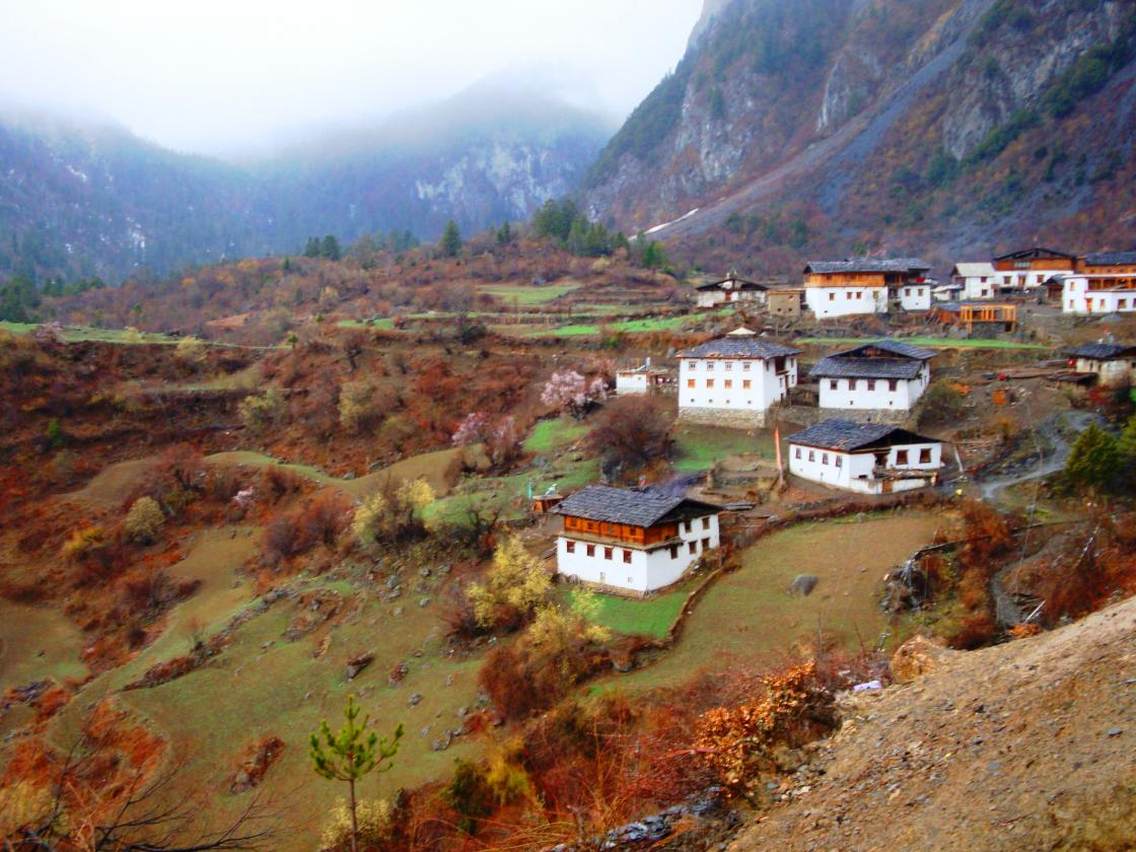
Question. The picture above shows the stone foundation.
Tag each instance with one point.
(726, 417)
(804, 415)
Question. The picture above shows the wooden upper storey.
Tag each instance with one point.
(622, 532)
(859, 279)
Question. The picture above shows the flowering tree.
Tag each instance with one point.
(567, 390)
(472, 430)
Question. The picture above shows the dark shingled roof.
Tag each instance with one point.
(743, 284)
(1103, 351)
(896, 347)
(1035, 253)
(835, 367)
(847, 435)
(869, 264)
(1110, 258)
(739, 347)
(626, 506)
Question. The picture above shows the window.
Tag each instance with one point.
(925, 456)
(833, 384)
(839, 460)
(893, 385)
(608, 551)
(729, 365)
(709, 365)
(705, 523)
(824, 458)
(848, 294)
(705, 544)
(591, 550)
(745, 365)
(570, 546)
(859, 295)
(745, 384)
(709, 383)
(729, 383)
(627, 557)
(689, 526)
(692, 547)
(690, 383)
(812, 456)
(674, 551)
(797, 452)
(871, 384)
(901, 456)
(832, 297)
(853, 384)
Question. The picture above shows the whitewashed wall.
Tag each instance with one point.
(1114, 372)
(855, 471)
(765, 386)
(881, 397)
(630, 381)
(648, 569)
(915, 297)
(827, 302)
(1076, 298)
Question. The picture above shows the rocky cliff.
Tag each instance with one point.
(935, 126)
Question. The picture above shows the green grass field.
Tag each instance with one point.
(77, 334)
(36, 642)
(929, 342)
(698, 447)
(551, 435)
(633, 617)
(526, 296)
(749, 618)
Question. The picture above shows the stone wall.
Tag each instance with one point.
(728, 418)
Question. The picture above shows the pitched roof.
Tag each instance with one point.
(1035, 253)
(893, 347)
(846, 435)
(869, 264)
(974, 270)
(1110, 258)
(626, 506)
(1102, 351)
(740, 284)
(739, 347)
(834, 367)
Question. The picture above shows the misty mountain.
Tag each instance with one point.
(87, 198)
(938, 127)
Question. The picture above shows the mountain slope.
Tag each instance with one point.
(936, 126)
(1019, 746)
(82, 200)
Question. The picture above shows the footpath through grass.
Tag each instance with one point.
(929, 342)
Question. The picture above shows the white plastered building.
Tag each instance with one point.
(632, 540)
(867, 458)
(978, 280)
(886, 375)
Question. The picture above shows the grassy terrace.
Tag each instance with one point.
(698, 447)
(929, 342)
(634, 617)
(513, 294)
(551, 435)
(77, 334)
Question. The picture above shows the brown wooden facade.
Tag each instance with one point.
(621, 532)
(855, 279)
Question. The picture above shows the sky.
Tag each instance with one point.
(241, 77)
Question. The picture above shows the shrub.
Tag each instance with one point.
(258, 413)
(374, 819)
(1095, 462)
(469, 794)
(84, 542)
(361, 407)
(190, 350)
(279, 482)
(941, 404)
(976, 631)
(144, 520)
(514, 587)
(393, 513)
(633, 431)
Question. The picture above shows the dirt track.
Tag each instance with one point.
(1030, 745)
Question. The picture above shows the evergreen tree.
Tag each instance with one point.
(312, 247)
(504, 235)
(329, 248)
(1094, 461)
(351, 754)
(654, 257)
(451, 242)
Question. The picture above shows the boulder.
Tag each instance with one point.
(803, 585)
(357, 663)
(918, 656)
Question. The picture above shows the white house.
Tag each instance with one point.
(730, 290)
(644, 379)
(866, 285)
(1030, 268)
(884, 375)
(977, 280)
(1113, 363)
(631, 539)
(1103, 283)
(734, 380)
(870, 458)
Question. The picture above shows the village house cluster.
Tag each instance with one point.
(642, 540)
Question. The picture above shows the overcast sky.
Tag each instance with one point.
(230, 76)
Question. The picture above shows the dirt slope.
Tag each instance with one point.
(1030, 745)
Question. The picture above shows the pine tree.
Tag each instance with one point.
(1094, 461)
(351, 754)
(312, 247)
(451, 242)
(329, 248)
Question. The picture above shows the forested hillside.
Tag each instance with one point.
(934, 126)
(79, 200)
